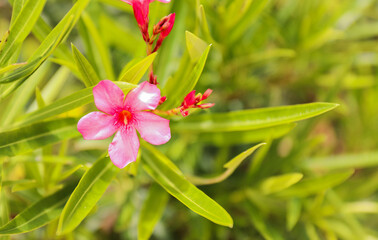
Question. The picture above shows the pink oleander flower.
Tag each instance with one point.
(141, 10)
(123, 116)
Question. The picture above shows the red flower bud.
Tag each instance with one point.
(206, 94)
(206, 105)
(167, 25)
(189, 99)
(162, 100)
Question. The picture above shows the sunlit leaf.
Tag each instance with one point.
(313, 185)
(88, 74)
(360, 160)
(279, 183)
(244, 137)
(177, 88)
(21, 28)
(154, 162)
(251, 119)
(136, 72)
(196, 46)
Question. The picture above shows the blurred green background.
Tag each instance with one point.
(264, 53)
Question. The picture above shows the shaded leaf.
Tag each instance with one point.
(39, 213)
(230, 166)
(87, 193)
(152, 210)
(31, 137)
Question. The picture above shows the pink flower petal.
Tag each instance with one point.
(149, 1)
(145, 96)
(108, 97)
(128, 1)
(96, 126)
(124, 147)
(152, 128)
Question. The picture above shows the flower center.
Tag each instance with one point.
(125, 116)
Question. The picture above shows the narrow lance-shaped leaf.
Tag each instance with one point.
(278, 183)
(359, 160)
(152, 210)
(53, 39)
(177, 87)
(244, 137)
(105, 61)
(159, 167)
(31, 137)
(136, 72)
(87, 72)
(252, 119)
(230, 166)
(39, 213)
(85, 196)
(196, 46)
(21, 28)
(293, 213)
(314, 185)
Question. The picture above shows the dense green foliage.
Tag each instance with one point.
(260, 164)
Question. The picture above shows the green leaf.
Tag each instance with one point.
(261, 224)
(152, 210)
(11, 67)
(314, 185)
(105, 63)
(251, 119)
(22, 96)
(68, 103)
(155, 163)
(34, 136)
(177, 88)
(21, 28)
(52, 41)
(87, 72)
(279, 183)
(136, 72)
(38, 214)
(359, 160)
(230, 166)
(293, 213)
(196, 46)
(244, 137)
(254, 11)
(87, 193)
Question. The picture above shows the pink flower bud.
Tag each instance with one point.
(206, 105)
(184, 113)
(167, 25)
(206, 94)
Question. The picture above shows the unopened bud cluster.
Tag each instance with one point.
(193, 101)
